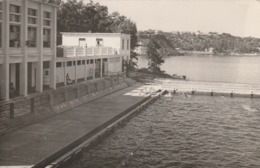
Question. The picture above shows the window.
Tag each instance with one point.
(46, 22)
(1, 11)
(128, 45)
(15, 9)
(99, 41)
(32, 12)
(46, 38)
(87, 61)
(58, 64)
(91, 61)
(79, 62)
(1, 24)
(83, 62)
(46, 15)
(123, 44)
(0, 34)
(14, 36)
(32, 35)
(15, 13)
(32, 16)
(46, 18)
(69, 63)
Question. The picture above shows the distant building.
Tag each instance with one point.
(27, 47)
(91, 55)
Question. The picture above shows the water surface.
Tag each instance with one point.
(184, 132)
(233, 69)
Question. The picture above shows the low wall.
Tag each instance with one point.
(27, 110)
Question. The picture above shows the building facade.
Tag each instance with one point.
(27, 47)
(88, 56)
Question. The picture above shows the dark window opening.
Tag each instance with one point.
(58, 64)
(14, 36)
(32, 35)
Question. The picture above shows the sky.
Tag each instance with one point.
(237, 17)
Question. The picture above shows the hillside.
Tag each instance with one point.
(164, 43)
(219, 43)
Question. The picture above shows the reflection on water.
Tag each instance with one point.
(234, 69)
(182, 132)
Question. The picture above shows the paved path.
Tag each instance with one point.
(28, 145)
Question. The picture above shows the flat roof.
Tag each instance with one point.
(94, 34)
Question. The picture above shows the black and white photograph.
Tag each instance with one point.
(129, 83)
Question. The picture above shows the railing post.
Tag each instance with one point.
(32, 105)
(77, 91)
(12, 110)
(50, 99)
(66, 95)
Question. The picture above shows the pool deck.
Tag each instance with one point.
(32, 144)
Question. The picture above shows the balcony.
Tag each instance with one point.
(90, 51)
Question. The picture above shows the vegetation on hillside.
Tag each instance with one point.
(163, 43)
(220, 43)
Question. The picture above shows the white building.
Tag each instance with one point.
(91, 55)
(27, 47)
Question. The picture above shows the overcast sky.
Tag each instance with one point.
(238, 17)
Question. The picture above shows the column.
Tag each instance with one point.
(5, 67)
(53, 46)
(65, 73)
(24, 64)
(39, 68)
(85, 70)
(101, 67)
(94, 68)
(76, 64)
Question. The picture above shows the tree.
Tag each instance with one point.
(155, 55)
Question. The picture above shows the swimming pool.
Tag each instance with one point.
(179, 131)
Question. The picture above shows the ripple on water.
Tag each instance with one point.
(196, 132)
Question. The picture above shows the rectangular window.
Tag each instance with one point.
(0, 34)
(32, 12)
(32, 16)
(46, 38)
(15, 18)
(15, 15)
(58, 64)
(87, 61)
(79, 62)
(46, 22)
(32, 20)
(14, 36)
(83, 62)
(0, 5)
(46, 15)
(32, 37)
(127, 45)
(15, 9)
(123, 44)
(69, 63)
(91, 61)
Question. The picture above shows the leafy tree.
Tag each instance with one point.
(155, 55)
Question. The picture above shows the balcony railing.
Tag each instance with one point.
(90, 51)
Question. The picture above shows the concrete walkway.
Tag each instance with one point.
(29, 145)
